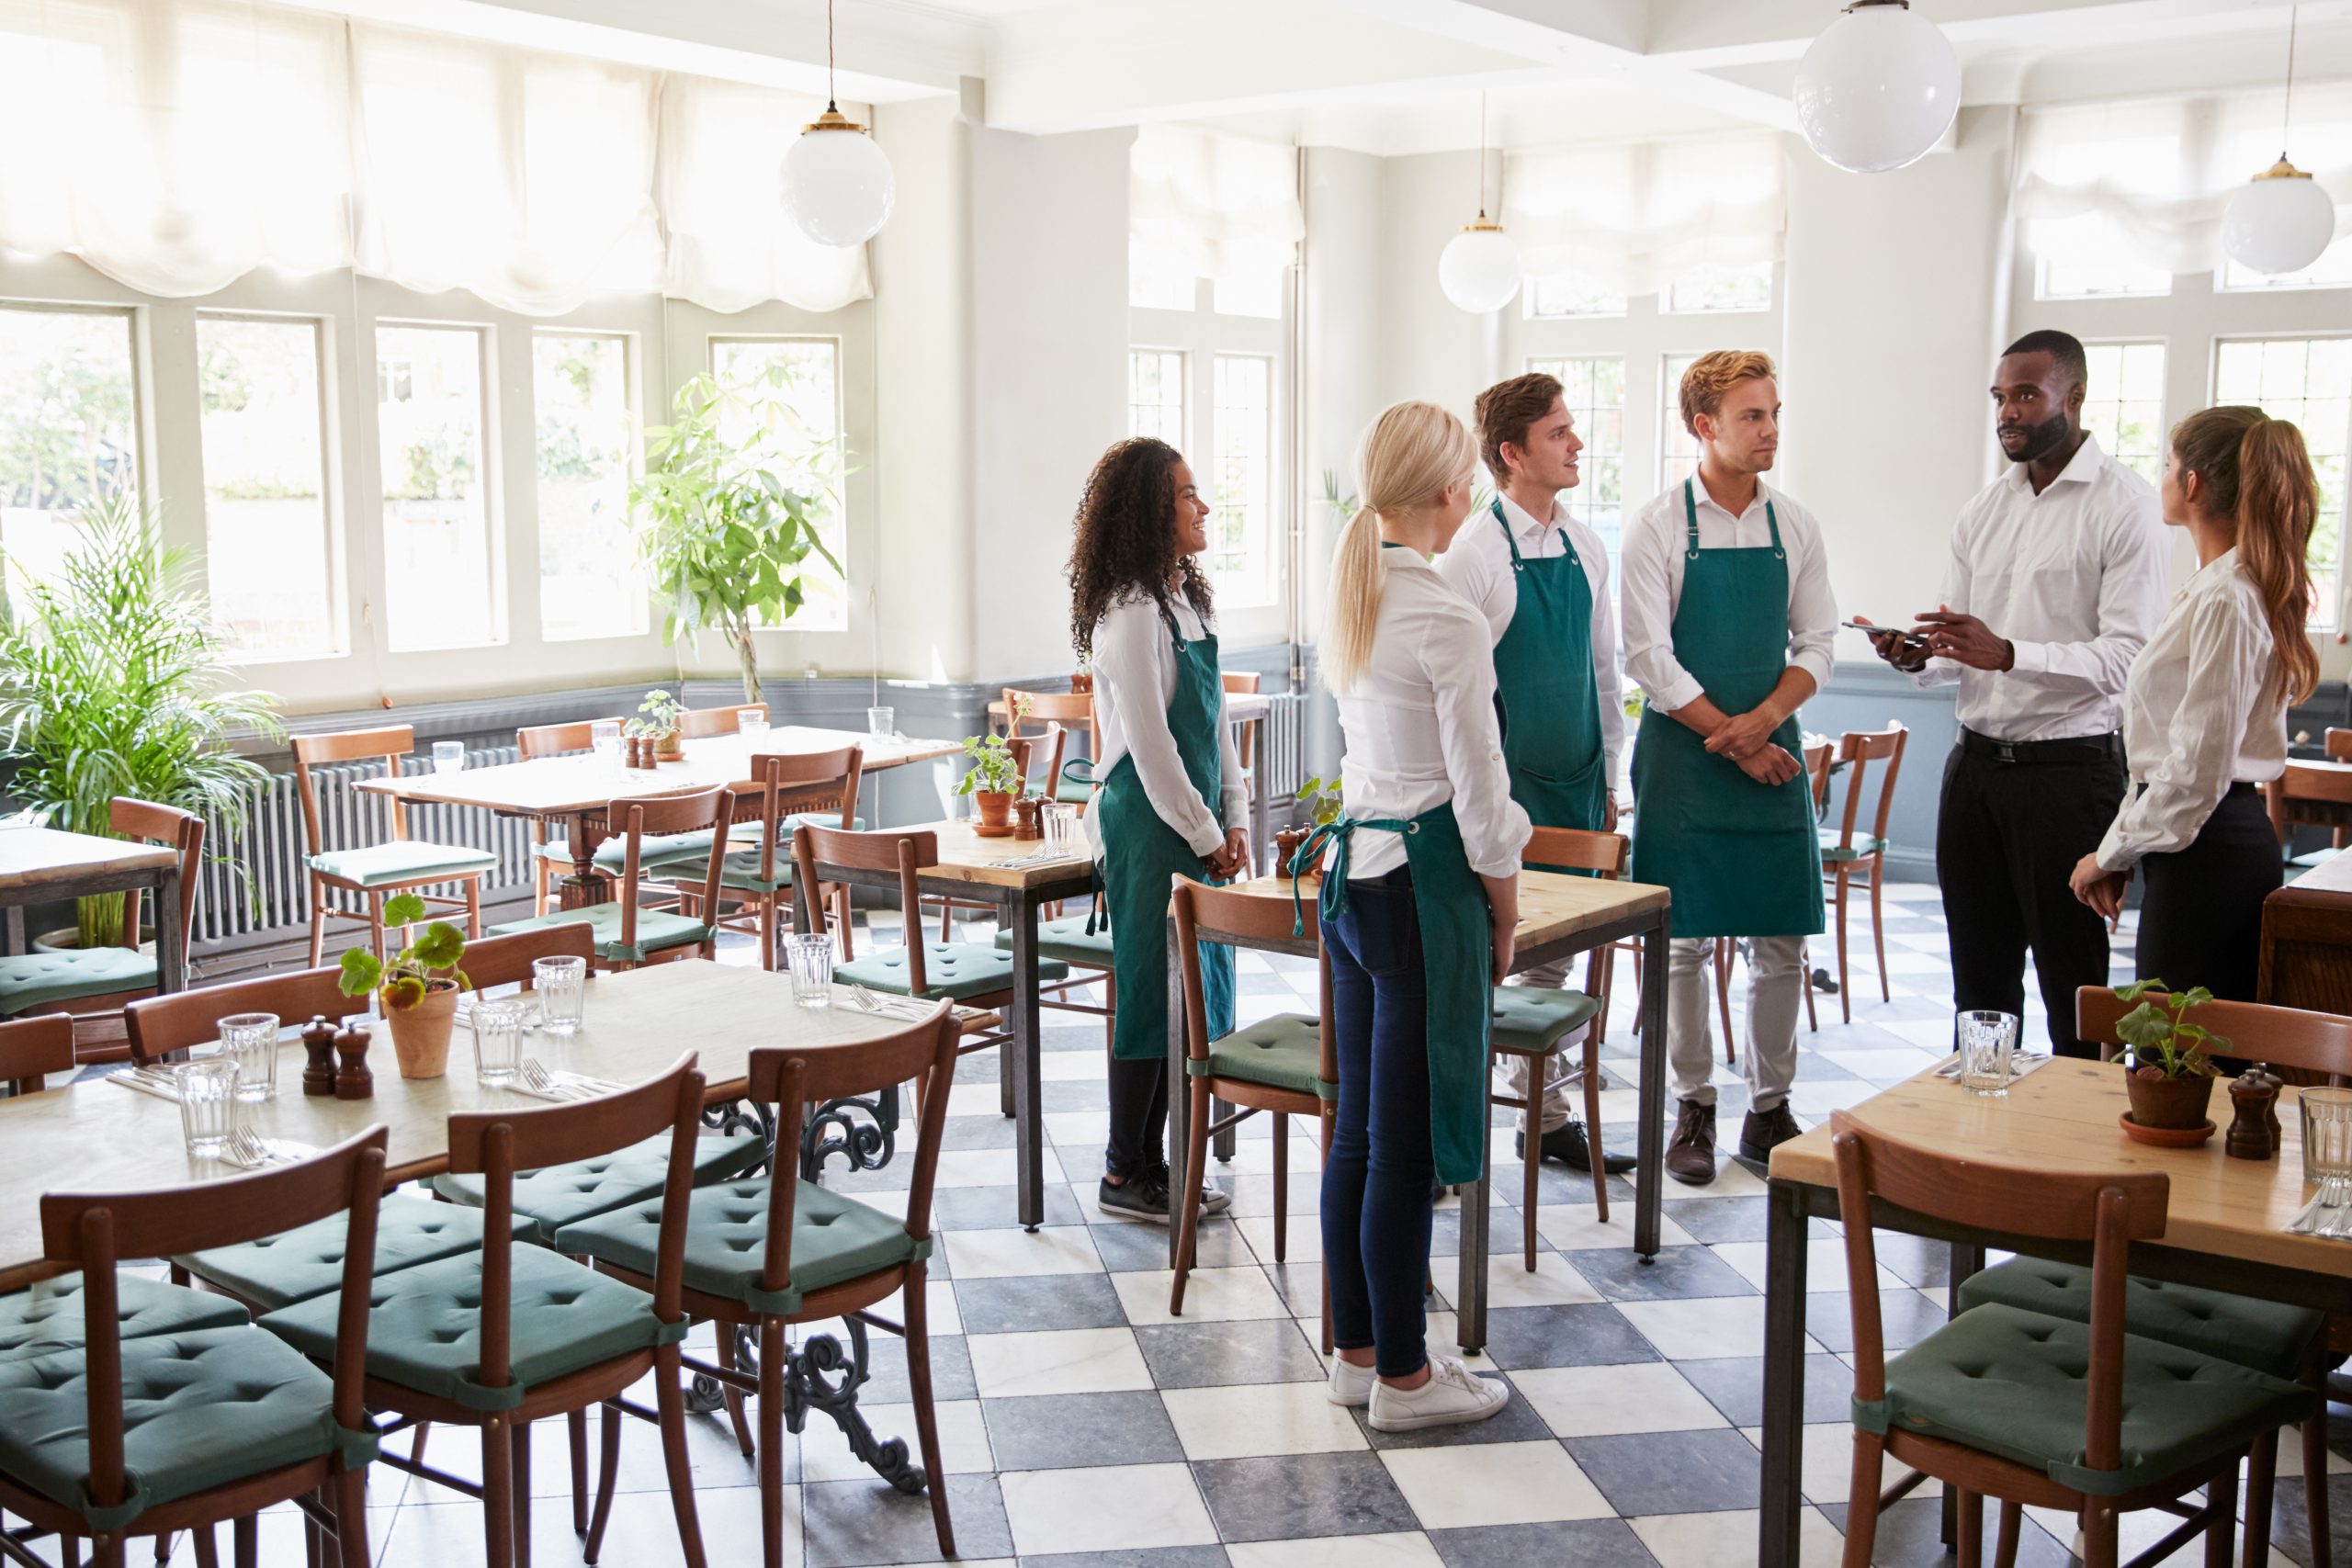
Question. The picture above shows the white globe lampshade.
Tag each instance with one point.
(2279, 222)
(837, 183)
(1480, 268)
(1878, 88)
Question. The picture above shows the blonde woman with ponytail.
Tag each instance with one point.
(2205, 709)
(1419, 899)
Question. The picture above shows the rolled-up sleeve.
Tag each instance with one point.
(2228, 658)
(1646, 598)
(1461, 669)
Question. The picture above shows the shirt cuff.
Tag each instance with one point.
(2031, 658)
(1679, 693)
(1816, 663)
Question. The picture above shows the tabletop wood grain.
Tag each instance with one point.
(966, 857)
(36, 858)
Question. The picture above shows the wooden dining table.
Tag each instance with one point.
(2225, 1228)
(39, 865)
(1559, 918)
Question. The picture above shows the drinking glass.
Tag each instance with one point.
(498, 1040)
(752, 726)
(2328, 1160)
(811, 956)
(1986, 1040)
(605, 739)
(448, 756)
(882, 723)
(208, 1104)
(561, 986)
(249, 1040)
(1062, 828)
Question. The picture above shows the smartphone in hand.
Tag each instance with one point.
(1909, 644)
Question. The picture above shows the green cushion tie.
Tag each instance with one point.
(113, 1520)
(354, 1448)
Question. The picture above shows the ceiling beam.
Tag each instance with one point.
(1707, 32)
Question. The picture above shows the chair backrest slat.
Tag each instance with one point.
(886, 848)
(167, 825)
(552, 740)
(788, 783)
(157, 1026)
(1578, 849)
(702, 724)
(2339, 744)
(31, 1048)
(387, 743)
(1859, 748)
(2284, 1037)
(507, 959)
(634, 820)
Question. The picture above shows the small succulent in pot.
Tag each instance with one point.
(2168, 1068)
(661, 721)
(417, 987)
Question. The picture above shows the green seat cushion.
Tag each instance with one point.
(1864, 845)
(614, 851)
(1066, 940)
(37, 979)
(43, 1319)
(1070, 792)
(1532, 1020)
(739, 870)
(200, 1409)
(2266, 1335)
(546, 1201)
(294, 1265)
(1281, 1051)
(658, 931)
(957, 969)
(2012, 1384)
(424, 1326)
(834, 1239)
(403, 860)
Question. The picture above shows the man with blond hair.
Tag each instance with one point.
(1729, 621)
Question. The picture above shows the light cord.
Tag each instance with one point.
(2287, 118)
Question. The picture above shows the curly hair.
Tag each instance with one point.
(1124, 539)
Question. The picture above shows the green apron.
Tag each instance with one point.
(1559, 770)
(1457, 969)
(1743, 858)
(1141, 851)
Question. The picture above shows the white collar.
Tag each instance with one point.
(1396, 556)
(1523, 522)
(1700, 493)
(2081, 468)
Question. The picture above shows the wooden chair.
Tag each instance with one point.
(757, 877)
(229, 1421)
(773, 1250)
(548, 855)
(506, 959)
(162, 1028)
(102, 980)
(1284, 1065)
(625, 934)
(2032, 1409)
(1245, 747)
(702, 724)
(33, 1048)
(1821, 761)
(375, 872)
(1534, 1022)
(1846, 855)
(1072, 711)
(2312, 793)
(504, 1334)
(1025, 749)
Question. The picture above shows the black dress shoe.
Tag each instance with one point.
(1566, 1144)
(1765, 1131)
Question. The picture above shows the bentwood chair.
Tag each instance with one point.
(502, 1335)
(103, 979)
(135, 1414)
(767, 1251)
(551, 856)
(1285, 1065)
(627, 934)
(702, 724)
(1074, 711)
(506, 959)
(2034, 1409)
(374, 873)
(1847, 856)
(1820, 762)
(33, 1048)
(756, 881)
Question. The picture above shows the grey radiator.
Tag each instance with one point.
(1285, 760)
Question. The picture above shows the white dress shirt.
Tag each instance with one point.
(2074, 578)
(1653, 559)
(1479, 566)
(2195, 717)
(1135, 680)
(1419, 728)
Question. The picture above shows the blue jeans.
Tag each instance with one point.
(1376, 1178)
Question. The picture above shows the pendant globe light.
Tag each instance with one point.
(1479, 269)
(837, 183)
(2282, 219)
(1878, 88)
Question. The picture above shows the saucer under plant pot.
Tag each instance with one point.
(2168, 1072)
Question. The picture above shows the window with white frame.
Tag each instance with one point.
(440, 560)
(1593, 388)
(2332, 270)
(792, 420)
(68, 427)
(2124, 404)
(268, 520)
(1156, 394)
(1242, 532)
(1709, 290)
(1565, 296)
(591, 583)
(1677, 449)
(2309, 381)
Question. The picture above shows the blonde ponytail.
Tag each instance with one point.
(1412, 452)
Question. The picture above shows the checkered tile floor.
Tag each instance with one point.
(1084, 1428)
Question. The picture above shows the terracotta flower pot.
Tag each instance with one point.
(421, 1033)
(995, 807)
(668, 746)
(2169, 1103)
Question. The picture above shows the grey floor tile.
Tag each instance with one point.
(1910, 1535)
(1141, 1557)
(853, 1524)
(999, 1208)
(1677, 1273)
(1906, 1318)
(980, 1133)
(1070, 1431)
(1126, 1246)
(1255, 1350)
(1516, 1422)
(1734, 1385)
(1590, 1334)
(951, 1369)
(1299, 1496)
(1589, 1543)
(1671, 1472)
(1025, 1304)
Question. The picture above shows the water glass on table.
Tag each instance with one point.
(498, 1040)
(249, 1040)
(882, 723)
(448, 756)
(605, 739)
(1987, 1039)
(752, 726)
(810, 955)
(207, 1091)
(561, 986)
(1062, 828)
(2327, 1161)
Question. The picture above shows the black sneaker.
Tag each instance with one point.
(1215, 1200)
(1141, 1198)
(1766, 1130)
(1566, 1144)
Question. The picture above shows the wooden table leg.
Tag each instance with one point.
(1781, 1501)
(1179, 1094)
(588, 883)
(1470, 1264)
(171, 941)
(1261, 842)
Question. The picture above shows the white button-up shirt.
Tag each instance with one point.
(2074, 578)
(1135, 680)
(1479, 566)
(1653, 559)
(1419, 727)
(2200, 713)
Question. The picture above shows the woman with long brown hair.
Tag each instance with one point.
(2205, 709)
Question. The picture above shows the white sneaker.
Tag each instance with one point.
(1453, 1395)
(1351, 1385)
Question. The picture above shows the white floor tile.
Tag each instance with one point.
(1596, 1402)
(1403, 1549)
(1571, 1227)
(1554, 1283)
(1695, 1330)
(1070, 1066)
(1251, 1421)
(1826, 1470)
(1057, 1360)
(1727, 1539)
(1883, 1062)
(1493, 1483)
(963, 1440)
(989, 1168)
(1000, 1254)
(1302, 1239)
(1106, 1509)
(1211, 1295)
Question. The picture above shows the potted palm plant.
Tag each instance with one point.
(2167, 1072)
(418, 989)
(661, 711)
(993, 781)
(115, 682)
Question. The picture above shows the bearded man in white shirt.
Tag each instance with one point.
(2057, 579)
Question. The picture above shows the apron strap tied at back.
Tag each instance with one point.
(1340, 834)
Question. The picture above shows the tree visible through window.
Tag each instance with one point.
(2124, 404)
(800, 439)
(438, 586)
(589, 581)
(265, 518)
(2308, 380)
(68, 430)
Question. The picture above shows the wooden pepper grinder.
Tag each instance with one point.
(352, 1078)
(318, 1044)
(2253, 1098)
(2277, 1084)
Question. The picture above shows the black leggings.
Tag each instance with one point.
(2200, 915)
(1138, 1118)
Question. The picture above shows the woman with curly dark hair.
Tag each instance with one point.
(1169, 796)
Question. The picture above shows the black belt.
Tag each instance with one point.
(2079, 749)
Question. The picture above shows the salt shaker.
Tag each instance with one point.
(318, 1045)
(2253, 1098)
(352, 1078)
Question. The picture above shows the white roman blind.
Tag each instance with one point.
(1631, 218)
(1209, 205)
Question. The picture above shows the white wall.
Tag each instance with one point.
(1343, 381)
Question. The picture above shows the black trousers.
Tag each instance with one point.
(2007, 839)
(2201, 916)
(1138, 1118)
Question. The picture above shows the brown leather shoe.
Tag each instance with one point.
(1690, 1158)
(1766, 1130)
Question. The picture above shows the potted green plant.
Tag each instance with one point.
(727, 519)
(418, 989)
(661, 723)
(116, 682)
(1318, 799)
(2167, 1072)
(992, 782)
